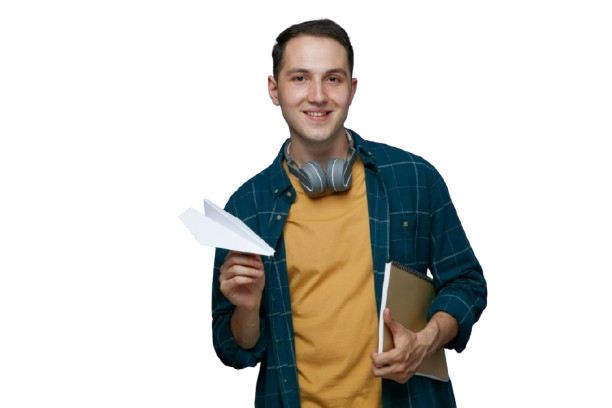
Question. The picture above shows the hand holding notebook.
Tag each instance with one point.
(408, 295)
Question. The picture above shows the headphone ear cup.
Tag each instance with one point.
(315, 181)
(336, 169)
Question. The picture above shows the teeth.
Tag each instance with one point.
(316, 114)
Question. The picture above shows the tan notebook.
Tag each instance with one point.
(408, 295)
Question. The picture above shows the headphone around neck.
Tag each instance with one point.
(315, 180)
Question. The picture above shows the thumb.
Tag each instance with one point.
(391, 324)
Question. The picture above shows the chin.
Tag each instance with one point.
(317, 136)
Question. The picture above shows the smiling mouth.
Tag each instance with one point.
(316, 114)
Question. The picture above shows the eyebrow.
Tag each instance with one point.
(341, 71)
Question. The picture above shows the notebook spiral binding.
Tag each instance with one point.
(412, 272)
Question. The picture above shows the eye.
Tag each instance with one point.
(298, 78)
(333, 80)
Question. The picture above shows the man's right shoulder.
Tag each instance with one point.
(249, 188)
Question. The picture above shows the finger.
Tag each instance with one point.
(233, 271)
(391, 324)
(376, 359)
(382, 359)
(235, 277)
(232, 268)
(237, 281)
(256, 263)
(241, 258)
(382, 370)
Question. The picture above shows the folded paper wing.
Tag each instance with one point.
(219, 229)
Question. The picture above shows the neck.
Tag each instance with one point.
(303, 152)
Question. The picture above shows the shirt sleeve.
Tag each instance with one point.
(461, 289)
(228, 351)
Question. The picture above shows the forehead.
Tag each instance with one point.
(314, 53)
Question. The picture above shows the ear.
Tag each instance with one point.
(353, 89)
(273, 90)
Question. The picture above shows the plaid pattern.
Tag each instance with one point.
(412, 221)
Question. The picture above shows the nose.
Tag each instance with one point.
(317, 93)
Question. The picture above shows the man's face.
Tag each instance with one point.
(314, 89)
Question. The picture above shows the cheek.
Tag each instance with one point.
(290, 99)
(341, 96)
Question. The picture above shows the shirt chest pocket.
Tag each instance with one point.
(403, 225)
(408, 239)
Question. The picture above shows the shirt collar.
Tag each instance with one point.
(280, 183)
(364, 150)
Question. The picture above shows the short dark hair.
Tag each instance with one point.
(316, 28)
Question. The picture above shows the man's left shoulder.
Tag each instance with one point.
(386, 155)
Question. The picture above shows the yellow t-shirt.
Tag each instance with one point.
(331, 282)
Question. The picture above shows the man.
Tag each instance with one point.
(309, 313)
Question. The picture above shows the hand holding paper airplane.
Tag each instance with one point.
(219, 229)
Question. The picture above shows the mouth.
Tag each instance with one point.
(316, 114)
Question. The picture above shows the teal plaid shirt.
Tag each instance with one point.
(412, 221)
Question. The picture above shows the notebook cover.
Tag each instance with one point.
(409, 296)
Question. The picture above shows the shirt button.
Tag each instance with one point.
(276, 191)
(289, 194)
(405, 224)
(279, 217)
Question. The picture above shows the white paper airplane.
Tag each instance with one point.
(220, 229)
